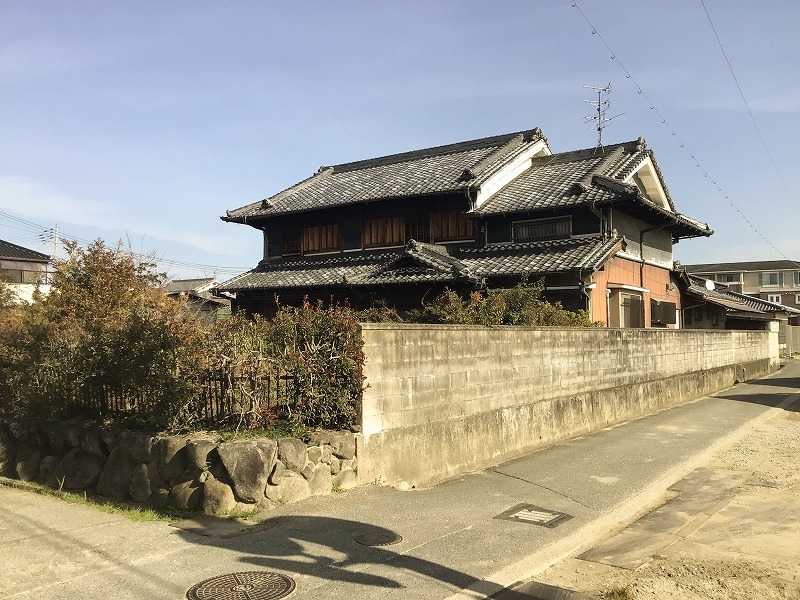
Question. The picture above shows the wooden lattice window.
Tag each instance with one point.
(322, 238)
(292, 242)
(542, 229)
(451, 225)
(384, 231)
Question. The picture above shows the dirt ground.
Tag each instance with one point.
(746, 546)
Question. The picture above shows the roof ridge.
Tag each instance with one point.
(389, 159)
(585, 152)
(479, 167)
(586, 182)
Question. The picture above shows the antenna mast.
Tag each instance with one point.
(602, 103)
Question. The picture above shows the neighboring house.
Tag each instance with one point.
(715, 305)
(24, 270)
(776, 281)
(597, 225)
(199, 295)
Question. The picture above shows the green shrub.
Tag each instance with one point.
(519, 305)
(322, 347)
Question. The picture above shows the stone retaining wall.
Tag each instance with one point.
(190, 472)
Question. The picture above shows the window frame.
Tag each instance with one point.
(459, 227)
(394, 228)
(515, 225)
(776, 298)
(763, 278)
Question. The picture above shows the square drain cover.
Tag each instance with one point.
(536, 515)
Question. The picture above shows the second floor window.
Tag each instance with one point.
(322, 238)
(384, 231)
(541, 229)
(775, 278)
(797, 278)
(451, 225)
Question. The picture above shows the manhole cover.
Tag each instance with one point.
(528, 513)
(253, 585)
(381, 538)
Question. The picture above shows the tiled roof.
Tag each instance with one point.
(721, 299)
(763, 265)
(555, 256)
(734, 300)
(762, 305)
(419, 262)
(433, 170)
(14, 252)
(177, 286)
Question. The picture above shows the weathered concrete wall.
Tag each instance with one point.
(792, 339)
(443, 400)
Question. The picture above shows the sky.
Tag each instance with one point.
(145, 121)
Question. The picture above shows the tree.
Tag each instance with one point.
(104, 338)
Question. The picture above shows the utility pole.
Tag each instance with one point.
(602, 103)
(49, 234)
(55, 242)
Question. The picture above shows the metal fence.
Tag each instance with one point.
(224, 397)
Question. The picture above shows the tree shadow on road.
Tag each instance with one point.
(325, 548)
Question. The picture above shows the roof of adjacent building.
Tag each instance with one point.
(420, 262)
(442, 169)
(759, 265)
(734, 301)
(14, 252)
(177, 286)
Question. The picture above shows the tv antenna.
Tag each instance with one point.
(602, 103)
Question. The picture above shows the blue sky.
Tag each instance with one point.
(145, 121)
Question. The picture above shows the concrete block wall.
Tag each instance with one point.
(442, 400)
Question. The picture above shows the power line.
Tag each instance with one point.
(629, 75)
(21, 224)
(741, 93)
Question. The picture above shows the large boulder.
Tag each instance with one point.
(139, 443)
(170, 454)
(29, 457)
(91, 442)
(343, 444)
(145, 480)
(187, 495)
(346, 479)
(197, 455)
(278, 471)
(218, 498)
(117, 473)
(293, 453)
(249, 464)
(56, 438)
(8, 454)
(78, 470)
(46, 468)
(293, 488)
(320, 480)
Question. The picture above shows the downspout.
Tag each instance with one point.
(586, 294)
(482, 231)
